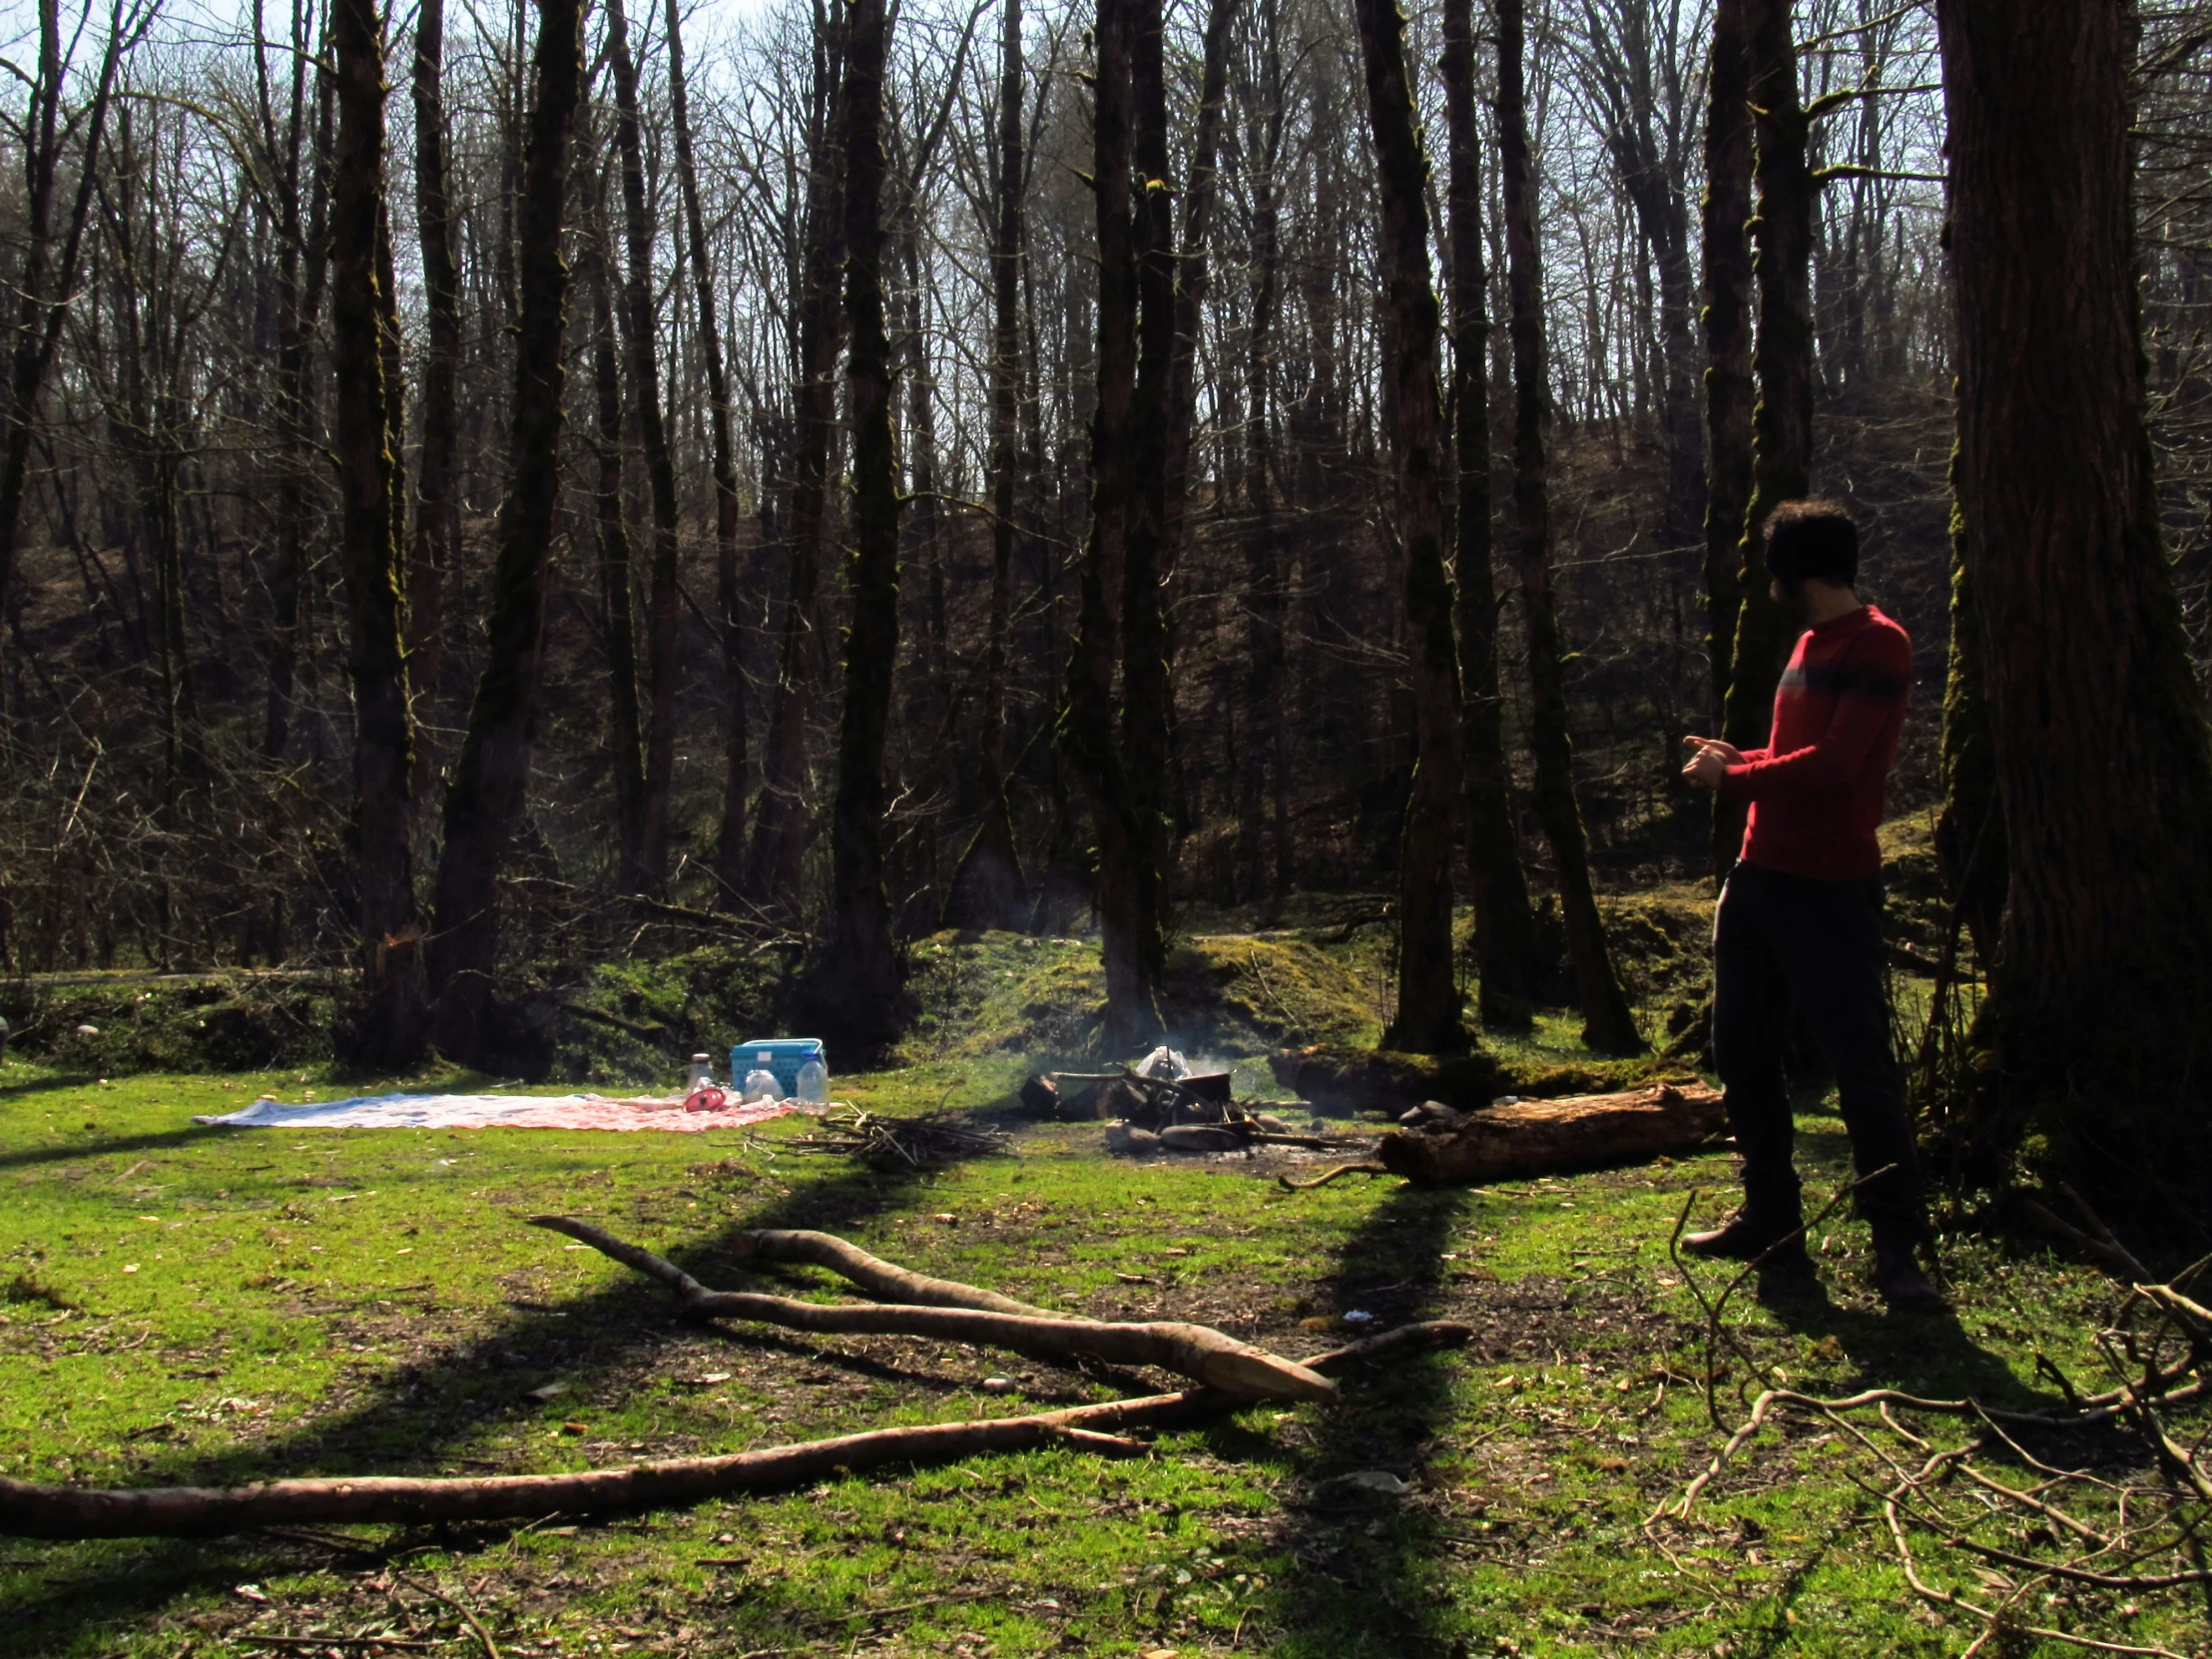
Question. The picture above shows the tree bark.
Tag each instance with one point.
(1782, 363)
(862, 974)
(1608, 1025)
(46, 282)
(987, 888)
(388, 1028)
(1726, 317)
(664, 602)
(780, 819)
(1428, 1000)
(1504, 921)
(1551, 1137)
(437, 528)
(2102, 759)
(730, 601)
(626, 732)
(1147, 698)
(1086, 732)
(485, 804)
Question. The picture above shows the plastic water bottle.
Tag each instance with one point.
(760, 1082)
(812, 1085)
(701, 1070)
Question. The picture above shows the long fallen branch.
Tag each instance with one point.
(884, 1281)
(1197, 1351)
(40, 1511)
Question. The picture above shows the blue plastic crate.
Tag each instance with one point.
(785, 1056)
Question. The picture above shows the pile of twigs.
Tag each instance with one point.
(2088, 1525)
(923, 1142)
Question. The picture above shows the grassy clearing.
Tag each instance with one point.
(187, 1304)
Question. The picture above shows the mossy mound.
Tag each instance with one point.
(170, 1022)
(988, 994)
(1376, 1079)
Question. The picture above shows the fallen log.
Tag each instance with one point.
(884, 1281)
(28, 1510)
(1196, 1351)
(1367, 1079)
(1544, 1137)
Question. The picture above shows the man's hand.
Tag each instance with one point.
(1710, 760)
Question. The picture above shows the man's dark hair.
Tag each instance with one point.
(1811, 538)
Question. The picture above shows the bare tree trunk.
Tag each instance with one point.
(298, 300)
(1782, 422)
(626, 732)
(987, 888)
(485, 804)
(388, 1028)
(1193, 278)
(862, 972)
(1428, 1000)
(729, 844)
(1087, 721)
(1266, 688)
(664, 602)
(1147, 698)
(1727, 323)
(47, 278)
(437, 528)
(1504, 921)
(2102, 759)
(779, 821)
(1608, 1025)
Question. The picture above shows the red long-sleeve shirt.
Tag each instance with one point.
(1816, 791)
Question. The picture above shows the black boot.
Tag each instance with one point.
(1901, 1283)
(1747, 1234)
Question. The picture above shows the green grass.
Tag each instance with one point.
(194, 1305)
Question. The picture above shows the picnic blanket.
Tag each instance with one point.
(497, 1111)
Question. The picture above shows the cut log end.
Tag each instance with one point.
(1251, 1374)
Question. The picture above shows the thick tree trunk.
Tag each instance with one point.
(1147, 698)
(1727, 323)
(861, 972)
(1504, 921)
(1131, 955)
(730, 601)
(1428, 1000)
(1781, 422)
(987, 888)
(626, 733)
(485, 804)
(780, 825)
(437, 528)
(388, 1028)
(1608, 1025)
(664, 602)
(1969, 833)
(2102, 759)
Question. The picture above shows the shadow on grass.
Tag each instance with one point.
(1368, 1569)
(413, 1412)
(156, 1141)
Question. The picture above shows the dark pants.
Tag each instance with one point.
(1787, 940)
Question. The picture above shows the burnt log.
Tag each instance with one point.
(1545, 1137)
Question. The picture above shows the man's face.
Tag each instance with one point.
(1790, 601)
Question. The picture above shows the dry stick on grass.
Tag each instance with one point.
(2146, 1388)
(28, 1510)
(1197, 1351)
(1289, 1185)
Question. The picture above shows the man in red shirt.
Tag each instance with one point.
(1800, 919)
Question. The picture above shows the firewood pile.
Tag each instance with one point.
(925, 1142)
